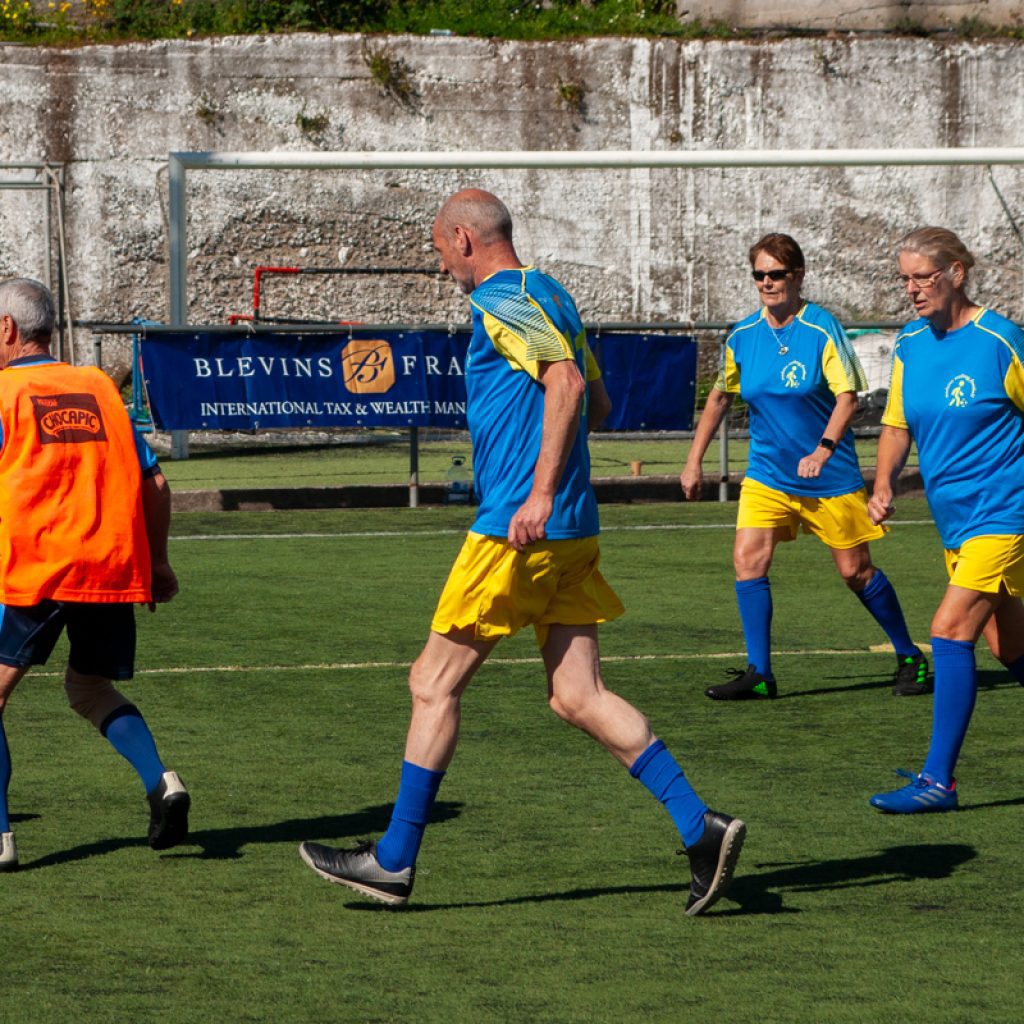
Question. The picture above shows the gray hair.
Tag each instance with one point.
(30, 305)
(481, 211)
(940, 245)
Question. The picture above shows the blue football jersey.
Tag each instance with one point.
(790, 378)
(961, 396)
(522, 318)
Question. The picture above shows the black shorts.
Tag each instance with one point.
(102, 636)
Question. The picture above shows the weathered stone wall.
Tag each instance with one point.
(631, 244)
(855, 15)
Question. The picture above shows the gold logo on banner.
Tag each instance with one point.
(368, 366)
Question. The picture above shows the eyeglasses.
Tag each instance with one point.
(772, 275)
(919, 280)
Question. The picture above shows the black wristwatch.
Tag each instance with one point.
(827, 442)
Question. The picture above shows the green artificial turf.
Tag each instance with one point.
(548, 886)
(386, 461)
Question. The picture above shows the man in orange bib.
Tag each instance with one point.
(84, 519)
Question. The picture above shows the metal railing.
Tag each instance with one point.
(49, 178)
(140, 329)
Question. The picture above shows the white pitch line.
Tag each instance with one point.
(364, 666)
(447, 532)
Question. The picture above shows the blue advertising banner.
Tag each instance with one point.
(651, 380)
(218, 381)
(213, 381)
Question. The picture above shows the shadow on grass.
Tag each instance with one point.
(567, 896)
(990, 679)
(260, 449)
(1014, 802)
(759, 893)
(228, 843)
(823, 691)
(851, 687)
(994, 680)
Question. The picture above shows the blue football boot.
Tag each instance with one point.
(922, 793)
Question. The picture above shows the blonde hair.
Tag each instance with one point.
(940, 245)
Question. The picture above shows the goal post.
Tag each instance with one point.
(181, 163)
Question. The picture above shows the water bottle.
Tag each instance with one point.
(460, 483)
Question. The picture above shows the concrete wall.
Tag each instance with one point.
(854, 15)
(632, 244)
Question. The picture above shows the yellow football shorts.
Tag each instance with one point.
(497, 590)
(987, 564)
(840, 522)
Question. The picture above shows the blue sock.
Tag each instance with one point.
(127, 732)
(879, 597)
(5, 778)
(657, 769)
(754, 598)
(399, 846)
(1016, 669)
(956, 687)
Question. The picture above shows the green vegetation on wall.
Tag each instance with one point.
(69, 21)
(63, 22)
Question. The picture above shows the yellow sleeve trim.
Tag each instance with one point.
(836, 374)
(1014, 382)
(839, 361)
(523, 332)
(728, 379)
(894, 415)
(510, 345)
(593, 370)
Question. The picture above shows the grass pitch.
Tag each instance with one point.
(386, 461)
(548, 888)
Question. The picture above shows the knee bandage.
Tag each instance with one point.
(94, 701)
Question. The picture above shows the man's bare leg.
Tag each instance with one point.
(385, 870)
(577, 694)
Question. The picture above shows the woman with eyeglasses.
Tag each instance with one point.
(794, 367)
(957, 391)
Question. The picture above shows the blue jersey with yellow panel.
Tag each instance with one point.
(522, 318)
(789, 378)
(961, 396)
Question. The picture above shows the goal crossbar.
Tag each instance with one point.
(180, 163)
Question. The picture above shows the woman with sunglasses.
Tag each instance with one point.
(957, 391)
(794, 367)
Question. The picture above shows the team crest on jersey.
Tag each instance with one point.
(794, 373)
(68, 419)
(368, 365)
(960, 390)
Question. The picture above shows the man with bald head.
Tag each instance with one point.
(530, 559)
